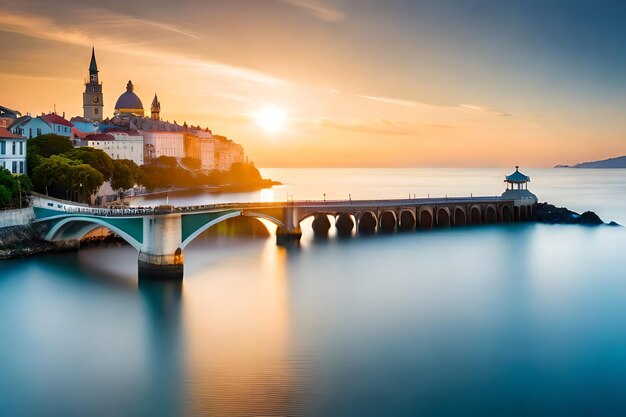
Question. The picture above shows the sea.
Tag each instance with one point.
(504, 320)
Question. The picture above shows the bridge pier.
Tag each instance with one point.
(160, 257)
(290, 233)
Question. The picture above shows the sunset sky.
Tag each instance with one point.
(360, 82)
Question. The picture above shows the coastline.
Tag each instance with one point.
(213, 189)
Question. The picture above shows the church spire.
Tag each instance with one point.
(93, 67)
(155, 109)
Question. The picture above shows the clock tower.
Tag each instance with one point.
(92, 97)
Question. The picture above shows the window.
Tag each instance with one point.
(14, 147)
(30, 132)
(14, 167)
(38, 132)
(21, 167)
(3, 147)
(21, 148)
(95, 111)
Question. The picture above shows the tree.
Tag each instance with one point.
(44, 146)
(84, 180)
(97, 158)
(63, 178)
(12, 188)
(191, 163)
(125, 174)
(5, 197)
(166, 161)
(240, 172)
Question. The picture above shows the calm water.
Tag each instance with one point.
(516, 320)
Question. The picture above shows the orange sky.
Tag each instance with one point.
(361, 86)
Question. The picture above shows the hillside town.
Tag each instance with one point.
(130, 134)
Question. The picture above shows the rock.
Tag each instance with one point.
(548, 213)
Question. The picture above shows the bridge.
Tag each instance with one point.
(160, 234)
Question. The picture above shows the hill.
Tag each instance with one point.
(619, 162)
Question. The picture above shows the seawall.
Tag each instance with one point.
(17, 217)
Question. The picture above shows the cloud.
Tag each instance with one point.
(114, 31)
(485, 109)
(396, 101)
(371, 126)
(318, 9)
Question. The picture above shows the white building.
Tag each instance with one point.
(118, 145)
(12, 152)
(159, 143)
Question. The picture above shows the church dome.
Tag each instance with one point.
(129, 102)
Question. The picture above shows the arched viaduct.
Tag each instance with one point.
(161, 234)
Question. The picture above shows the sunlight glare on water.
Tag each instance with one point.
(512, 320)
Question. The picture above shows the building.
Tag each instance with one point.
(59, 125)
(93, 104)
(207, 154)
(12, 152)
(517, 189)
(118, 145)
(129, 104)
(155, 109)
(227, 153)
(160, 143)
(42, 125)
(8, 116)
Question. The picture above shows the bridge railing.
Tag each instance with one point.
(76, 208)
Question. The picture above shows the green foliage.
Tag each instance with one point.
(166, 162)
(65, 178)
(5, 197)
(85, 180)
(12, 187)
(97, 158)
(44, 146)
(125, 174)
(191, 163)
(161, 174)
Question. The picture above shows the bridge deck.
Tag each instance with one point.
(60, 207)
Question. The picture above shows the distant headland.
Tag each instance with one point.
(619, 162)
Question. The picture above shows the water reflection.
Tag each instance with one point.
(239, 357)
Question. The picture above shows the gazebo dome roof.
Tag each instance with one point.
(129, 102)
(517, 176)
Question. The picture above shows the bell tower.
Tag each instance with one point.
(92, 97)
(155, 109)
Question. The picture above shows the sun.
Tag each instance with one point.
(271, 119)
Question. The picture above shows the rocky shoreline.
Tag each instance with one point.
(25, 240)
(550, 214)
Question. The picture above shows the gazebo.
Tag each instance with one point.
(517, 180)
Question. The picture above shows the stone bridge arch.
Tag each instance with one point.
(367, 222)
(444, 219)
(460, 218)
(75, 227)
(388, 221)
(476, 214)
(425, 217)
(408, 220)
(505, 213)
(491, 214)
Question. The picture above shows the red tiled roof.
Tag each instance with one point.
(79, 133)
(100, 136)
(56, 119)
(8, 135)
(127, 131)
